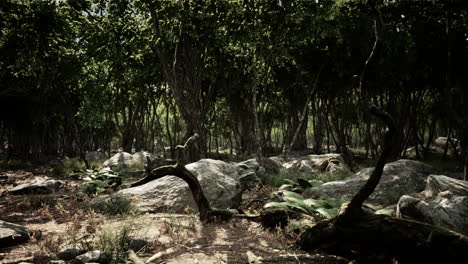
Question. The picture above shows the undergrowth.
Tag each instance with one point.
(114, 205)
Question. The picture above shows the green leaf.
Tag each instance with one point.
(288, 181)
(328, 213)
(292, 194)
(299, 205)
(275, 205)
(315, 182)
(286, 187)
(369, 207)
(385, 211)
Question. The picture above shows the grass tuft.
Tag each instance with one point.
(114, 205)
(114, 242)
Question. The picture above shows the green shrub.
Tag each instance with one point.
(69, 166)
(116, 204)
(299, 185)
(98, 182)
(328, 208)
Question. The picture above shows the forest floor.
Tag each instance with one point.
(62, 218)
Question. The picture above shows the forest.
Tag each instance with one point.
(293, 131)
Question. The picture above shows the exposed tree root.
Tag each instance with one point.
(405, 240)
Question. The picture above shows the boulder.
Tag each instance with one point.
(399, 178)
(217, 179)
(315, 164)
(443, 203)
(140, 157)
(439, 183)
(248, 173)
(440, 142)
(40, 185)
(12, 234)
(123, 158)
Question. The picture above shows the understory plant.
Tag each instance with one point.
(325, 207)
(115, 242)
(293, 200)
(98, 182)
(299, 185)
(115, 204)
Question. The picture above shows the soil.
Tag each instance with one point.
(59, 218)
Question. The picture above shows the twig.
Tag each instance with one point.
(132, 256)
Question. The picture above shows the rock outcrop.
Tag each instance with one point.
(313, 164)
(443, 203)
(12, 234)
(126, 159)
(399, 178)
(218, 180)
(39, 185)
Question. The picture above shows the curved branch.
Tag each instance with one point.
(182, 150)
(368, 188)
(192, 181)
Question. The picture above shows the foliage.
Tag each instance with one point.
(69, 166)
(77, 76)
(114, 242)
(277, 179)
(327, 208)
(115, 205)
(299, 185)
(98, 182)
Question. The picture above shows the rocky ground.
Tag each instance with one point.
(45, 218)
(60, 218)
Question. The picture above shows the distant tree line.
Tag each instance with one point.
(80, 75)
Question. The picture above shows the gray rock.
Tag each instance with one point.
(140, 157)
(127, 159)
(69, 252)
(440, 183)
(443, 203)
(249, 181)
(121, 158)
(248, 173)
(314, 164)
(40, 185)
(93, 256)
(12, 234)
(399, 178)
(217, 179)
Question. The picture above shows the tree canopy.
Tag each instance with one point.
(80, 75)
